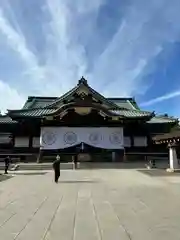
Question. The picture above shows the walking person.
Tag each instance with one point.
(6, 163)
(75, 161)
(56, 167)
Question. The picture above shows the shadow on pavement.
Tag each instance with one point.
(78, 181)
(30, 173)
(159, 173)
(4, 177)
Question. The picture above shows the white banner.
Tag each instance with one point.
(64, 137)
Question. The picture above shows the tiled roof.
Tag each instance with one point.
(175, 133)
(38, 102)
(6, 120)
(132, 113)
(41, 102)
(91, 90)
(123, 107)
(38, 112)
(50, 102)
(162, 119)
(126, 103)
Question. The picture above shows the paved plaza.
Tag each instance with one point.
(90, 205)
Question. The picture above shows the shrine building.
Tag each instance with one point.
(85, 122)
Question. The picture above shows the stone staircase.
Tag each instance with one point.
(83, 165)
(35, 166)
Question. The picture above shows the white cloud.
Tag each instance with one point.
(145, 28)
(162, 98)
(9, 97)
(87, 6)
(117, 71)
(64, 61)
(17, 42)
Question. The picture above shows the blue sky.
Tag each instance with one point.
(123, 48)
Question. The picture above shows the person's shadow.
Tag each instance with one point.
(78, 181)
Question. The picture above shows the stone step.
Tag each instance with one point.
(36, 166)
(83, 165)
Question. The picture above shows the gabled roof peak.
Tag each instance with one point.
(82, 81)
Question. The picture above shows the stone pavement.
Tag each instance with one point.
(90, 205)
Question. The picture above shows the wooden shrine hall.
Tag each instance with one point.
(85, 122)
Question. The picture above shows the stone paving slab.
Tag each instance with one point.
(90, 205)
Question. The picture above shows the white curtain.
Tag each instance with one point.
(127, 142)
(140, 141)
(64, 137)
(5, 138)
(21, 142)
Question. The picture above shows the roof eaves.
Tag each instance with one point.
(119, 98)
(35, 112)
(7, 120)
(134, 113)
(162, 119)
(171, 135)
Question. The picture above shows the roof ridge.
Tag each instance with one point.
(120, 98)
(163, 116)
(41, 97)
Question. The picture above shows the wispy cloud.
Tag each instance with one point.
(161, 98)
(145, 29)
(9, 97)
(71, 39)
(17, 42)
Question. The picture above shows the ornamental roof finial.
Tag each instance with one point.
(83, 81)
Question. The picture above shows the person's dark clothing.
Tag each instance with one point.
(56, 175)
(154, 163)
(6, 162)
(56, 167)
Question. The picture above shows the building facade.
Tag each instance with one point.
(81, 121)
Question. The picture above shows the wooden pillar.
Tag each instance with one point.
(30, 141)
(173, 160)
(40, 156)
(113, 154)
(124, 155)
(149, 150)
(132, 140)
(13, 142)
